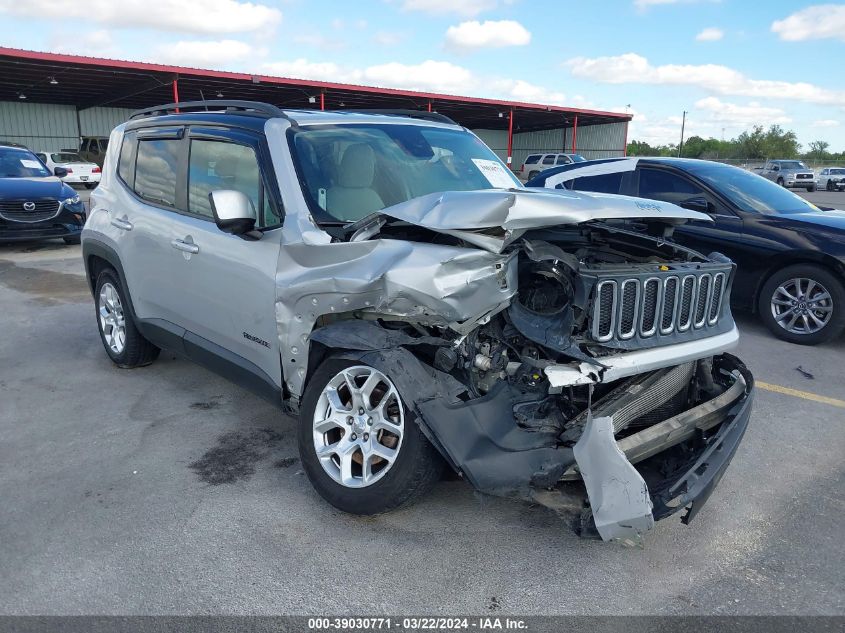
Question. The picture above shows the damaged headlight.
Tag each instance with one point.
(544, 288)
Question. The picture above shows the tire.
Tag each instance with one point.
(780, 182)
(72, 239)
(811, 188)
(111, 310)
(90, 185)
(830, 311)
(830, 186)
(532, 174)
(414, 470)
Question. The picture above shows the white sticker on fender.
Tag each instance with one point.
(495, 173)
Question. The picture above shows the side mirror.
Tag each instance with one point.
(697, 203)
(61, 172)
(233, 212)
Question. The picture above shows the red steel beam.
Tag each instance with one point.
(176, 92)
(575, 136)
(510, 138)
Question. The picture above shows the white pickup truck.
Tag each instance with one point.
(789, 173)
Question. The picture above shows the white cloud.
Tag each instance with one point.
(817, 22)
(632, 68)
(429, 75)
(487, 34)
(710, 35)
(645, 4)
(521, 90)
(304, 69)
(191, 16)
(469, 8)
(736, 115)
(388, 38)
(99, 43)
(826, 123)
(204, 54)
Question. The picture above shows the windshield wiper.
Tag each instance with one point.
(359, 230)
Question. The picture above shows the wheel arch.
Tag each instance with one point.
(97, 256)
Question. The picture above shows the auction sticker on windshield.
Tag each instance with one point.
(494, 172)
(31, 164)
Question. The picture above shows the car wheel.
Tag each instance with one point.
(803, 304)
(811, 188)
(532, 174)
(72, 239)
(90, 185)
(121, 338)
(359, 443)
(830, 186)
(780, 182)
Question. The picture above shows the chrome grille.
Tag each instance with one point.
(658, 305)
(38, 210)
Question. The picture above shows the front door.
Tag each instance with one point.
(227, 284)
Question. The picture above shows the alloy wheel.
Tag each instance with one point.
(358, 426)
(112, 319)
(802, 306)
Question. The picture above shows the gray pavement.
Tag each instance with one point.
(101, 511)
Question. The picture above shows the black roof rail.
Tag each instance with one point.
(412, 114)
(241, 107)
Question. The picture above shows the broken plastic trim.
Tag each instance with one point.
(632, 363)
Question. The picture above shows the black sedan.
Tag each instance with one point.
(34, 203)
(790, 254)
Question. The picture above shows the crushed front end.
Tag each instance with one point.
(601, 385)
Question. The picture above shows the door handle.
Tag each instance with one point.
(181, 245)
(124, 225)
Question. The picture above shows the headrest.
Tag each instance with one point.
(357, 167)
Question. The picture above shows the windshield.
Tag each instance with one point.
(66, 158)
(750, 192)
(19, 163)
(577, 158)
(792, 164)
(837, 172)
(350, 171)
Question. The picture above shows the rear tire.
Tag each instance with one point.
(532, 174)
(118, 332)
(819, 314)
(411, 466)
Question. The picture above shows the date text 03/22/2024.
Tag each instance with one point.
(482, 623)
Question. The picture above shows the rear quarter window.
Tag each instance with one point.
(126, 162)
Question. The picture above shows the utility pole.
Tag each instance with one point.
(683, 124)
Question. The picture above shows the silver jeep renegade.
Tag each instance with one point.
(384, 277)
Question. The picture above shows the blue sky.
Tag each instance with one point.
(729, 63)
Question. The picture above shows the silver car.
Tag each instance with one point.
(386, 279)
(832, 179)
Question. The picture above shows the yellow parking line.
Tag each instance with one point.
(789, 391)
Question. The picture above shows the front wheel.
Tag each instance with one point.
(830, 186)
(803, 304)
(123, 342)
(358, 441)
(780, 182)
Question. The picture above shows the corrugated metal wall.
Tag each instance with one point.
(594, 141)
(44, 126)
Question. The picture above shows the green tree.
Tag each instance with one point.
(818, 150)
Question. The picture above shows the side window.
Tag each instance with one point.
(549, 159)
(156, 169)
(658, 184)
(604, 183)
(218, 165)
(534, 158)
(95, 148)
(824, 171)
(562, 159)
(84, 146)
(42, 157)
(126, 162)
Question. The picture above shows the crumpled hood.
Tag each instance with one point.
(465, 213)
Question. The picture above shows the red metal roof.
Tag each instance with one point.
(90, 81)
